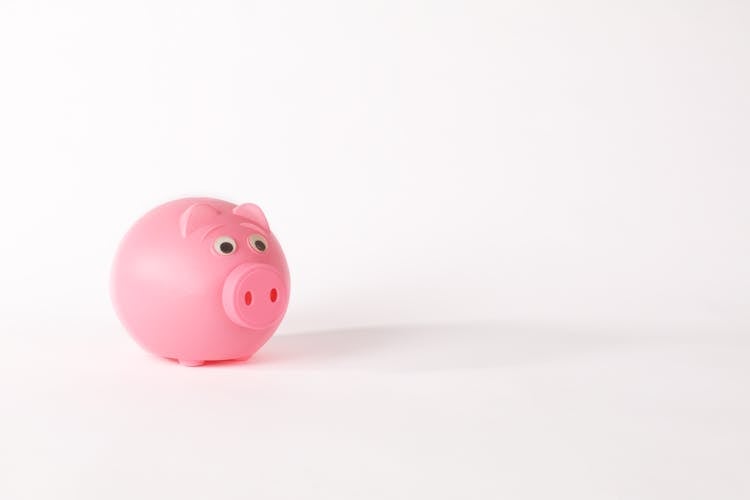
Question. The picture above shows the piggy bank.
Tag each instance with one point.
(200, 279)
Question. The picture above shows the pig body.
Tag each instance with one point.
(200, 279)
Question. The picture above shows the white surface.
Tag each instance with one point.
(518, 237)
(460, 411)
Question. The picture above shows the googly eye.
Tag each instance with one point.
(225, 245)
(257, 243)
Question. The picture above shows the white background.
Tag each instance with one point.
(517, 232)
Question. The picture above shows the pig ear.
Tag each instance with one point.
(196, 216)
(253, 212)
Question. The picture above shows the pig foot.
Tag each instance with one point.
(190, 362)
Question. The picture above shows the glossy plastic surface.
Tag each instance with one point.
(200, 279)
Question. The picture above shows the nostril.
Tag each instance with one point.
(274, 295)
(248, 298)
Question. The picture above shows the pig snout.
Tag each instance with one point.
(255, 296)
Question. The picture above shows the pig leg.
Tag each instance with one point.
(190, 362)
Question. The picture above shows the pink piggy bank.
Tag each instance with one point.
(199, 280)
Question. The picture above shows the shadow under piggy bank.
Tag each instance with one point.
(430, 347)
